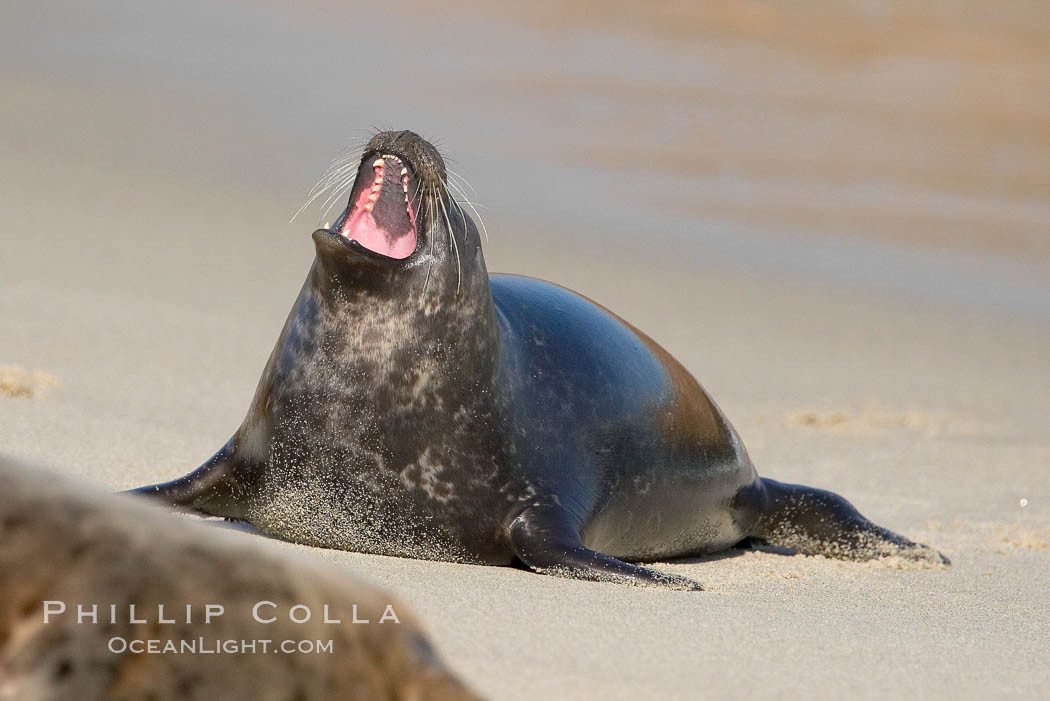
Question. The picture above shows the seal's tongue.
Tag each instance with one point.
(381, 217)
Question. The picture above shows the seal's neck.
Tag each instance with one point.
(387, 319)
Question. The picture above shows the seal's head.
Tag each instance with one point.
(399, 213)
(383, 215)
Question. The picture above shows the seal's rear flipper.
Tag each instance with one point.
(211, 489)
(816, 522)
(545, 539)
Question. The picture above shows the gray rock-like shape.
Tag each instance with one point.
(65, 542)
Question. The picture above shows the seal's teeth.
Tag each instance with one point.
(373, 197)
(404, 172)
(368, 206)
(377, 163)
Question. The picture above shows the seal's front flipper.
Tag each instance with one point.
(545, 538)
(213, 488)
(815, 522)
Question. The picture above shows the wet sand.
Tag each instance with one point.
(806, 217)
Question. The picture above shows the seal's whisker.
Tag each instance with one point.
(350, 153)
(338, 172)
(337, 165)
(335, 183)
(430, 197)
(322, 186)
(473, 206)
(337, 168)
(311, 197)
(339, 190)
(430, 265)
(430, 208)
(464, 200)
(418, 194)
(455, 247)
(462, 180)
(455, 203)
(423, 294)
(327, 205)
(336, 196)
(342, 162)
(470, 204)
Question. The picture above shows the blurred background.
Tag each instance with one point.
(897, 146)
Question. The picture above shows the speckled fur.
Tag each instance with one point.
(422, 408)
(380, 418)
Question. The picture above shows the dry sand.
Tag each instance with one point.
(147, 267)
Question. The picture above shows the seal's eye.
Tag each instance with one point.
(382, 216)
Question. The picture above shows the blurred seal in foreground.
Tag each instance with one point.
(61, 545)
(413, 405)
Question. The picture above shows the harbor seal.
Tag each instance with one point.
(414, 405)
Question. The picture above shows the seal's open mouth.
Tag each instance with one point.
(381, 216)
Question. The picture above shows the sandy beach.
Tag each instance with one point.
(848, 248)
